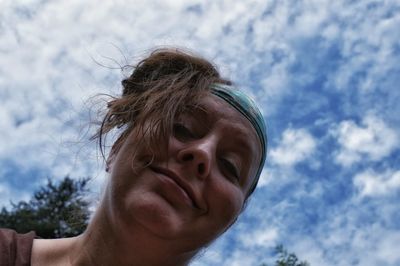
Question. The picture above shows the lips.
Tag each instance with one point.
(180, 182)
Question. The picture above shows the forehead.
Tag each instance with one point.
(218, 109)
(236, 126)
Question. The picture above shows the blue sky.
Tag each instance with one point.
(326, 74)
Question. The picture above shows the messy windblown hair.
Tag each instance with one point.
(162, 86)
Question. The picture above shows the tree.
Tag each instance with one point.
(287, 259)
(55, 210)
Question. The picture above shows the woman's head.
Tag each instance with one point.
(166, 83)
(190, 151)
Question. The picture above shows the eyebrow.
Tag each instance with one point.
(200, 112)
(242, 133)
(238, 129)
(241, 137)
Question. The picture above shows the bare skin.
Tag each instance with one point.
(174, 207)
(98, 248)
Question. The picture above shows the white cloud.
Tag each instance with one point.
(295, 146)
(367, 41)
(351, 231)
(371, 183)
(308, 249)
(45, 61)
(8, 194)
(374, 245)
(388, 249)
(265, 237)
(265, 177)
(372, 140)
(366, 246)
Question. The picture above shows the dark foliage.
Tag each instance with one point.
(286, 259)
(56, 210)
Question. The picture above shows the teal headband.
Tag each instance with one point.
(248, 108)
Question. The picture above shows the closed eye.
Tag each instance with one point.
(230, 168)
(182, 133)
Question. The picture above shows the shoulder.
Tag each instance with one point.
(15, 249)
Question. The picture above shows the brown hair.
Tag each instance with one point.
(161, 86)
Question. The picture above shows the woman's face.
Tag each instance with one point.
(196, 191)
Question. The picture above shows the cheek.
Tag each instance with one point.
(226, 203)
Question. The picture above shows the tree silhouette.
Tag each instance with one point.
(286, 259)
(55, 210)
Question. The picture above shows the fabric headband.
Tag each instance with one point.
(248, 108)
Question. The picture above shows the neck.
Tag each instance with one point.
(103, 244)
(137, 247)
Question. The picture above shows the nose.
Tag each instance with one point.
(198, 156)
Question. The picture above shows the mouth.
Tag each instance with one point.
(179, 181)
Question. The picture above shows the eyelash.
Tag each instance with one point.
(231, 168)
(182, 132)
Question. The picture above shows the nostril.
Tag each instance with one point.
(201, 168)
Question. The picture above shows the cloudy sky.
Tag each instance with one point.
(326, 74)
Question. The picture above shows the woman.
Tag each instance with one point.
(188, 155)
